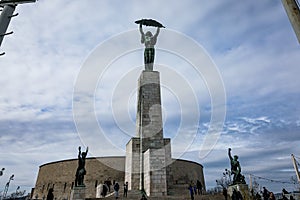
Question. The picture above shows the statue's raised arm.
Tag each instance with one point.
(142, 34)
(79, 151)
(157, 32)
(229, 154)
(141, 29)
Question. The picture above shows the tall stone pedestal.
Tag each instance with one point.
(78, 193)
(242, 188)
(148, 154)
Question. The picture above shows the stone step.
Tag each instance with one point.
(180, 197)
(176, 190)
(137, 195)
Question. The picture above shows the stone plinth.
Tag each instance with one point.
(242, 188)
(78, 193)
(132, 164)
(148, 155)
(149, 114)
(155, 174)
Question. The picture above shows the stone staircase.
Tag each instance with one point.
(136, 195)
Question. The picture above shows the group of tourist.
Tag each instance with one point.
(195, 188)
(267, 195)
(236, 195)
(105, 188)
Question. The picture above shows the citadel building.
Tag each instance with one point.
(60, 176)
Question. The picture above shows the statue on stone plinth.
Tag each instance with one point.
(149, 40)
(236, 169)
(80, 172)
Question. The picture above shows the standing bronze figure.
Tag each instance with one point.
(80, 172)
(236, 169)
(149, 40)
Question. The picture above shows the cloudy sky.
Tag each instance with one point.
(69, 79)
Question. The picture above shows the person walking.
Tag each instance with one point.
(191, 189)
(125, 189)
(105, 189)
(116, 189)
(199, 187)
(195, 189)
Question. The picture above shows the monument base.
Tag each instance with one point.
(242, 188)
(155, 177)
(78, 193)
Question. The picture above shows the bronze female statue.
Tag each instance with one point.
(149, 40)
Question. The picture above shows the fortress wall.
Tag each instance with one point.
(61, 175)
(185, 171)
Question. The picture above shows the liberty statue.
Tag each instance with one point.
(149, 40)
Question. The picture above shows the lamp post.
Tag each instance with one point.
(7, 185)
(292, 9)
(7, 13)
(1, 172)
